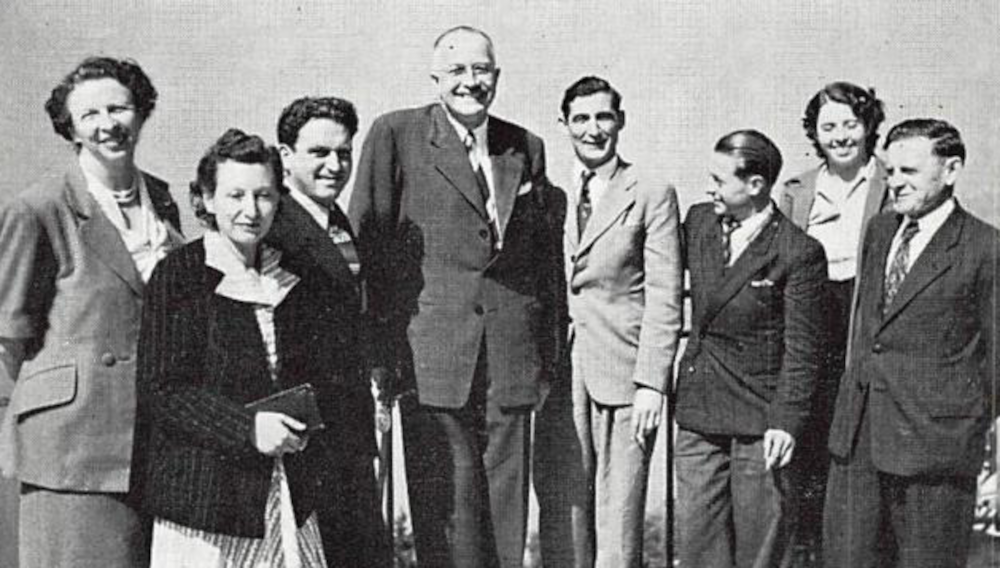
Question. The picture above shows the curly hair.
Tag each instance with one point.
(237, 146)
(302, 110)
(125, 71)
(863, 102)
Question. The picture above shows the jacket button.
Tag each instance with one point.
(877, 348)
(478, 310)
(691, 369)
(483, 234)
(108, 359)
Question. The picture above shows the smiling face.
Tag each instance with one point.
(105, 122)
(841, 135)
(466, 76)
(918, 179)
(244, 203)
(319, 164)
(593, 125)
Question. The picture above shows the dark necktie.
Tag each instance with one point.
(584, 208)
(728, 224)
(339, 232)
(899, 266)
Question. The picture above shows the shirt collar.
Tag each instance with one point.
(604, 172)
(931, 222)
(320, 213)
(479, 132)
(268, 286)
(752, 224)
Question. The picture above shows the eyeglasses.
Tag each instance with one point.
(478, 70)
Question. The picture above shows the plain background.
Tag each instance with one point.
(689, 70)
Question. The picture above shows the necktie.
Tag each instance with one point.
(337, 229)
(899, 266)
(484, 186)
(585, 207)
(728, 225)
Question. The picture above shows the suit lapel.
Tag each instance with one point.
(297, 232)
(97, 232)
(935, 259)
(508, 171)
(618, 197)
(452, 161)
(757, 255)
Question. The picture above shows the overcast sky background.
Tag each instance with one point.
(690, 71)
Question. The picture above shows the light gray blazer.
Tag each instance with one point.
(625, 278)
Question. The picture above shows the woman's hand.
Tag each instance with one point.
(275, 434)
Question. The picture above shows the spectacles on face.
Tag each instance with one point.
(478, 70)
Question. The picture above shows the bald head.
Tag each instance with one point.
(465, 73)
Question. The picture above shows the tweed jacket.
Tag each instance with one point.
(70, 290)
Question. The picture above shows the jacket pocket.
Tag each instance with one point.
(44, 388)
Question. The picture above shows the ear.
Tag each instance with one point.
(209, 202)
(285, 150)
(562, 120)
(621, 120)
(756, 186)
(952, 168)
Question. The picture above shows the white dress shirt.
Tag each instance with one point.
(926, 227)
(598, 184)
(748, 230)
(479, 156)
(837, 217)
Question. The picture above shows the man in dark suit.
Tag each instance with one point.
(750, 368)
(461, 258)
(907, 438)
(315, 137)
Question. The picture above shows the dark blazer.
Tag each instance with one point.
(927, 371)
(70, 289)
(753, 358)
(202, 358)
(436, 285)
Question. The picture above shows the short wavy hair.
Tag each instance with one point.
(756, 153)
(863, 102)
(125, 71)
(237, 146)
(586, 86)
(946, 142)
(302, 110)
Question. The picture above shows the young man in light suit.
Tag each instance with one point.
(919, 392)
(749, 371)
(624, 271)
(454, 232)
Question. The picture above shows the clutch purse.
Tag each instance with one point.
(299, 402)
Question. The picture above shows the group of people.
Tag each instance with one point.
(840, 370)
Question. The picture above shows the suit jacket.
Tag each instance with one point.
(926, 372)
(202, 358)
(70, 290)
(625, 280)
(437, 287)
(754, 354)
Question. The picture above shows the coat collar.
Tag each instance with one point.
(757, 255)
(935, 259)
(618, 197)
(97, 232)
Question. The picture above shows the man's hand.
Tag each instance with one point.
(778, 448)
(647, 411)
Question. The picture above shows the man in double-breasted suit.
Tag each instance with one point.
(907, 437)
(315, 137)
(624, 271)
(748, 374)
(453, 228)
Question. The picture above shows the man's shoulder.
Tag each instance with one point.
(401, 120)
(983, 234)
(796, 239)
(700, 213)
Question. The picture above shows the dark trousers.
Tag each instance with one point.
(730, 511)
(811, 462)
(467, 473)
(874, 519)
(350, 521)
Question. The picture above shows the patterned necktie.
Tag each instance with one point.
(585, 207)
(899, 267)
(728, 225)
(338, 230)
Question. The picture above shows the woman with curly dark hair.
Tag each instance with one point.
(833, 203)
(75, 253)
(228, 321)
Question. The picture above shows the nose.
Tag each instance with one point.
(251, 209)
(332, 163)
(106, 121)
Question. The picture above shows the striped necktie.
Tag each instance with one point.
(585, 207)
(728, 225)
(338, 228)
